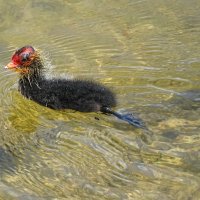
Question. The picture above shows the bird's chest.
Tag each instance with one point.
(29, 90)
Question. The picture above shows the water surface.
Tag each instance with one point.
(147, 51)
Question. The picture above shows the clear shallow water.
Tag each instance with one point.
(148, 53)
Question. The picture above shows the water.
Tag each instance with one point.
(148, 53)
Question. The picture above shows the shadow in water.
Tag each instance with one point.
(7, 161)
(187, 100)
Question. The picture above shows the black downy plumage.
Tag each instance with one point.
(80, 95)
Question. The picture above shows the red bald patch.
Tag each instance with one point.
(16, 58)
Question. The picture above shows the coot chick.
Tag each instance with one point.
(80, 95)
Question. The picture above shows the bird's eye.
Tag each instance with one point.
(25, 57)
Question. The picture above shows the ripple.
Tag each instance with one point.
(147, 52)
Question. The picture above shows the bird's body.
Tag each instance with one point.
(80, 95)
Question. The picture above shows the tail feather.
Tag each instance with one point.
(136, 122)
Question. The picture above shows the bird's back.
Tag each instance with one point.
(81, 95)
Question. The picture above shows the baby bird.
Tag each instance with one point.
(80, 95)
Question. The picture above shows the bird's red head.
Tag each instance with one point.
(22, 59)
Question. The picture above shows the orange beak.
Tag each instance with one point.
(16, 68)
(11, 65)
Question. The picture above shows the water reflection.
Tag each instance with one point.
(187, 100)
(147, 52)
(7, 162)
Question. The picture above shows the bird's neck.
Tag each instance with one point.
(34, 74)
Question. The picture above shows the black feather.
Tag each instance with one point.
(80, 95)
